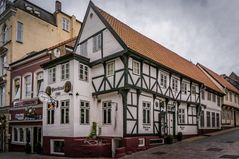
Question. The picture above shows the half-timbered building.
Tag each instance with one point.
(134, 90)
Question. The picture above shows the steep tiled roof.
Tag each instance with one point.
(220, 79)
(156, 52)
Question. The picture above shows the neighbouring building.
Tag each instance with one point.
(233, 79)
(124, 88)
(25, 27)
(230, 102)
(27, 81)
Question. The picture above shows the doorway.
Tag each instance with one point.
(171, 123)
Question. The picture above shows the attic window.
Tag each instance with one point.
(91, 15)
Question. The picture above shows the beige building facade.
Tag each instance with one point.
(25, 27)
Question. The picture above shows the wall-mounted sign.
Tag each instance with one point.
(19, 116)
(24, 103)
(57, 89)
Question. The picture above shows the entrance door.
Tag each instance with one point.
(161, 119)
(37, 137)
(171, 123)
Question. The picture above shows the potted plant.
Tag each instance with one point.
(179, 136)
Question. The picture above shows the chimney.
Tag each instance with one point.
(58, 6)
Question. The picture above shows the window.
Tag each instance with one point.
(163, 80)
(21, 135)
(141, 142)
(65, 71)
(84, 112)
(83, 49)
(50, 116)
(2, 6)
(192, 115)
(15, 134)
(97, 43)
(39, 82)
(226, 95)
(213, 97)
(218, 101)
(107, 112)
(28, 86)
(83, 72)
(65, 112)
(57, 147)
(146, 112)
(208, 119)
(4, 34)
(235, 98)
(184, 88)
(52, 75)
(136, 67)
(110, 68)
(2, 95)
(18, 135)
(175, 84)
(203, 94)
(65, 24)
(19, 32)
(208, 96)
(218, 120)
(16, 90)
(213, 119)
(181, 116)
(193, 89)
(230, 94)
(202, 119)
(3, 62)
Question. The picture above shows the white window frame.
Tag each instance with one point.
(65, 71)
(110, 68)
(19, 135)
(147, 109)
(14, 93)
(136, 67)
(175, 84)
(97, 42)
(65, 24)
(24, 95)
(66, 109)
(184, 87)
(19, 32)
(3, 62)
(107, 107)
(83, 72)
(52, 75)
(181, 116)
(84, 107)
(36, 80)
(52, 146)
(50, 116)
(141, 142)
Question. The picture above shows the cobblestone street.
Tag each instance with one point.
(221, 145)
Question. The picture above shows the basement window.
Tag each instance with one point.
(57, 147)
(141, 142)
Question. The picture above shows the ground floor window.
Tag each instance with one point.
(181, 116)
(208, 119)
(213, 119)
(50, 116)
(192, 115)
(18, 135)
(217, 119)
(202, 119)
(146, 112)
(57, 147)
(84, 112)
(107, 112)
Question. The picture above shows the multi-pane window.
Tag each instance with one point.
(83, 72)
(213, 119)
(208, 119)
(203, 94)
(65, 112)
(65, 24)
(96, 42)
(21, 135)
(110, 68)
(163, 80)
(84, 112)
(218, 120)
(193, 89)
(3, 62)
(107, 108)
(16, 90)
(181, 116)
(83, 49)
(213, 97)
(208, 96)
(65, 71)
(136, 67)
(2, 95)
(218, 101)
(19, 32)
(184, 88)
(28, 86)
(202, 119)
(230, 95)
(15, 134)
(39, 82)
(174, 84)
(52, 75)
(146, 112)
(50, 116)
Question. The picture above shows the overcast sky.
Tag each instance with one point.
(204, 31)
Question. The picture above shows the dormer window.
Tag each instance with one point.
(17, 89)
(97, 43)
